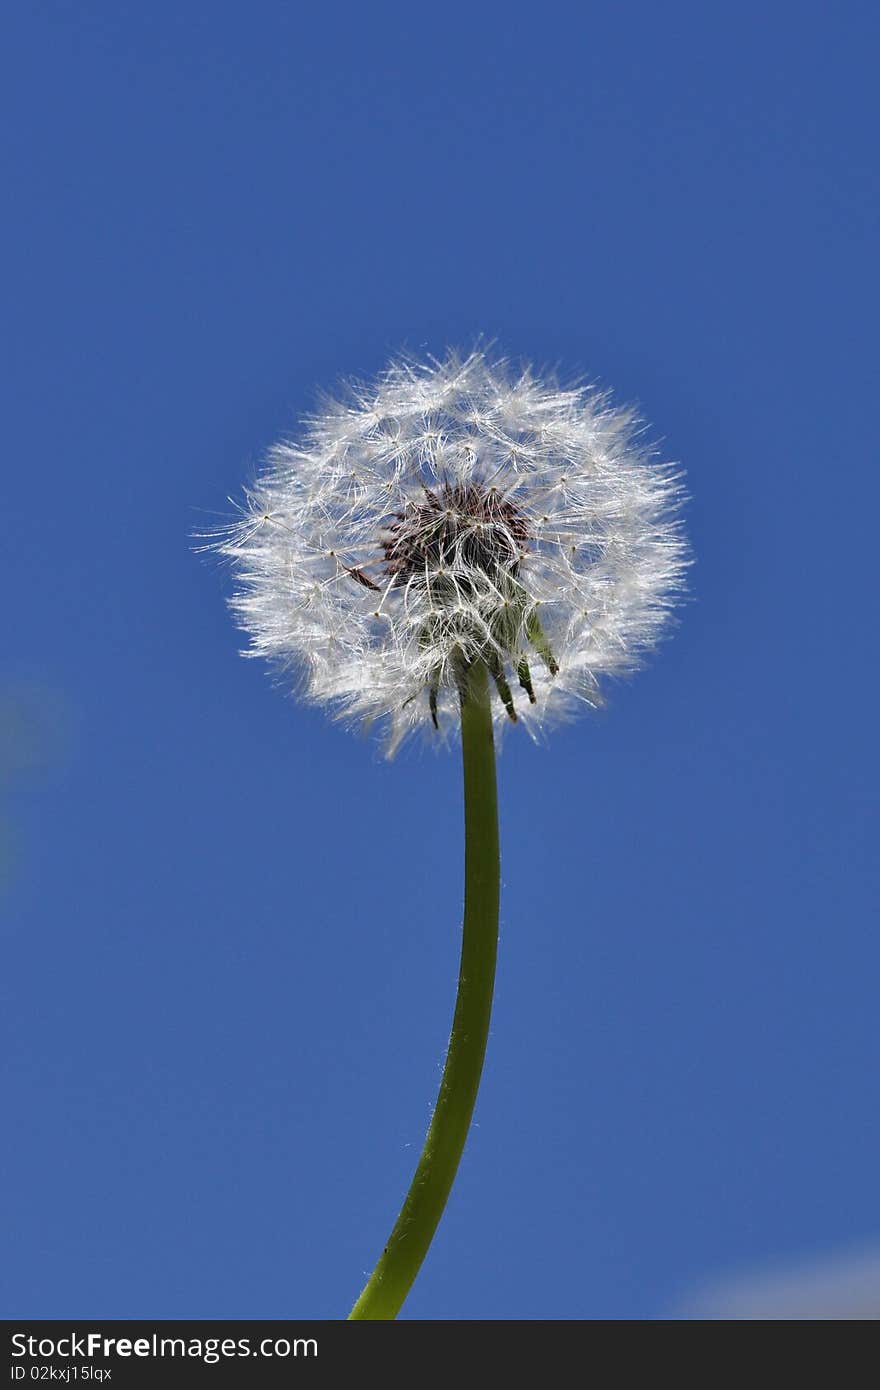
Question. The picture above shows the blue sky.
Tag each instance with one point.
(230, 929)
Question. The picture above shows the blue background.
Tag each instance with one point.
(231, 929)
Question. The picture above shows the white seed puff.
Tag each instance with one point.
(458, 510)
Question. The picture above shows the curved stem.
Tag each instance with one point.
(420, 1214)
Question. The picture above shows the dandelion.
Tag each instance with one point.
(457, 548)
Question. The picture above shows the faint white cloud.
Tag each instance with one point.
(34, 736)
(842, 1287)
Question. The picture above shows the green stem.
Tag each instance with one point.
(420, 1214)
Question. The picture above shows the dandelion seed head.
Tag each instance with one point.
(458, 510)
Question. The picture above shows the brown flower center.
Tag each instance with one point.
(459, 527)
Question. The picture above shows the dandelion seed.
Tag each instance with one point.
(492, 508)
